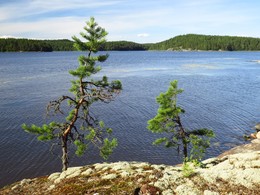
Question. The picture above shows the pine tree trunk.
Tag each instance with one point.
(64, 138)
(185, 148)
(183, 137)
(64, 158)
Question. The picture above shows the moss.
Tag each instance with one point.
(83, 185)
(223, 187)
(147, 168)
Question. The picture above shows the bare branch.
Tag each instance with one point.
(56, 104)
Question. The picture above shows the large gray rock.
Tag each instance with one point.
(54, 176)
(258, 135)
(251, 147)
(239, 169)
(257, 127)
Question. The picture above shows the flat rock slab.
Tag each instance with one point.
(242, 149)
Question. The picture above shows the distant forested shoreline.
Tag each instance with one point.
(23, 45)
(179, 43)
(208, 42)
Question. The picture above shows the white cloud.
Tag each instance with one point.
(50, 28)
(143, 35)
(7, 36)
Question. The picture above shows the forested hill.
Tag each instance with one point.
(182, 42)
(124, 46)
(12, 44)
(207, 42)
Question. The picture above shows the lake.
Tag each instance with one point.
(221, 92)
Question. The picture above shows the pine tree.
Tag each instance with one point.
(168, 121)
(80, 127)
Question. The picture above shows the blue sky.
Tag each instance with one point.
(141, 21)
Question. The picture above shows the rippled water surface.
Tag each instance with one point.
(221, 92)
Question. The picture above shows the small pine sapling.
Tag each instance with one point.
(80, 127)
(168, 121)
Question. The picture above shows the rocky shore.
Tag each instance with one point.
(236, 171)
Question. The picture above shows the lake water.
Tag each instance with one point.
(221, 92)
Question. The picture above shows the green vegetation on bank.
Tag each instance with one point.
(179, 43)
(123, 46)
(207, 42)
(14, 45)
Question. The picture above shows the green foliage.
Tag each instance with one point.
(168, 111)
(94, 35)
(200, 141)
(202, 132)
(160, 140)
(199, 145)
(45, 133)
(116, 85)
(189, 166)
(91, 134)
(188, 169)
(108, 147)
(71, 115)
(168, 121)
(81, 147)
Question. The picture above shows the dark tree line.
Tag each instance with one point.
(123, 46)
(23, 45)
(13, 45)
(207, 42)
(61, 45)
(182, 42)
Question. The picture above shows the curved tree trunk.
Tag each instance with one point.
(64, 138)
